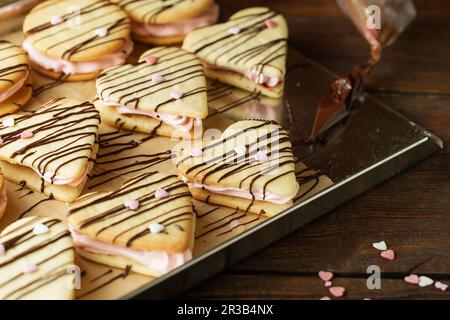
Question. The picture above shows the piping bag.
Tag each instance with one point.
(380, 22)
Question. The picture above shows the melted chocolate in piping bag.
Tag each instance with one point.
(380, 22)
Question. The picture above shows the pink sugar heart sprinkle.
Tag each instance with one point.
(2, 249)
(388, 254)
(326, 275)
(441, 286)
(157, 78)
(325, 298)
(26, 134)
(412, 278)
(261, 156)
(176, 94)
(337, 291)
(29, 267)
(196, 152)
(234, 30)
(132, 204)
(54, 20)
(328, 284)
(151, 60)
(270, 23)
(161, 194)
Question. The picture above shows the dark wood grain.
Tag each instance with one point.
(411, 212)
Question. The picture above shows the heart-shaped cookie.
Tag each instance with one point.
(248, 51)
(35, 265)
(250, 167)
(15, 78)
(166, 22)
(148, 223)
(52, 149)
(164, 93)
(74, 40)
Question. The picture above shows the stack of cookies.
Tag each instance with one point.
(147, 223)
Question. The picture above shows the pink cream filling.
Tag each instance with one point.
(256, 77)
(160, 261)
(244, 193)
(70, 67)
(182, 123)
(13, 89)
(51, 178)
(177, 28)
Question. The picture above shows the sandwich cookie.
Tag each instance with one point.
(37, 260)
(13, 8)
(250, 167)
(148, 223)
(165, 93)
(164, 22)
(15, 78)
(249, 51)
(52, 150)
(75, 40)
(3, 196)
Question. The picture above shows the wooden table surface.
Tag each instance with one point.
(411, 212)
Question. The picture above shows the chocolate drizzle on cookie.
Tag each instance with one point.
(9, 68)
(114, 159)
(129, 85)
(125, 227)
(224, 47)
(23, 245)
(63, 133)
(76, 33)
(150, 9)
(266, 136)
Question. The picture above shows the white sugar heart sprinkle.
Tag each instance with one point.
(132, 204)
(29, 267)
(26, 134)
(196, 152)
(39, 229)
(10, 122)
(54, 20)
(273, 82)
(176, 94)
(240, 150)
(156, 228)
(325, 298)
(157, 78)
(101, 32)
(382, 246)
(425, 281)
(270, 23)
(2, 249)
(261, 156)
(234, 30)
(441, 286)
(151, 60)
(328, 284)
(161, 194)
